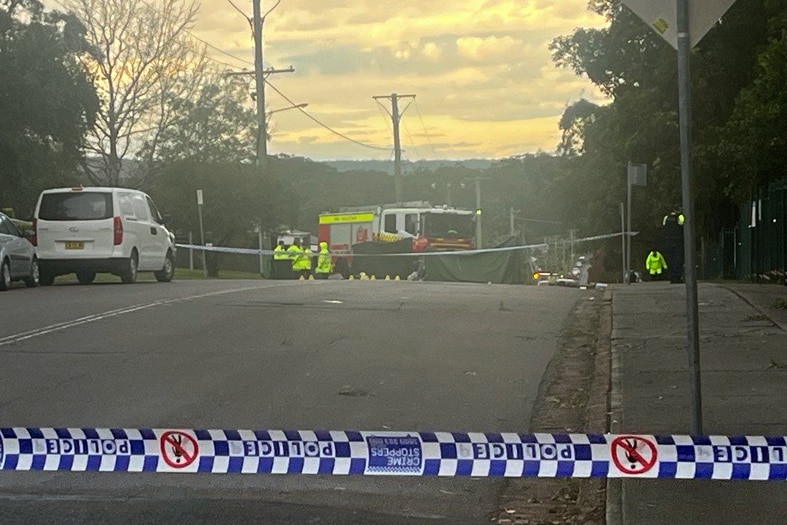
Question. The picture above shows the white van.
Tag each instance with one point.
(86, 230)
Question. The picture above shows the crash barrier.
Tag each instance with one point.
(393, 453)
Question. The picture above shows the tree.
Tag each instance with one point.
(237, 200)
(146, 63)
(46, 99)
(638, 70)
(752, 141)
(214, 126)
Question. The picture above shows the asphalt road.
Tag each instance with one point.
(335, 355)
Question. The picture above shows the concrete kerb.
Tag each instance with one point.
(614, 492)
(781, 323)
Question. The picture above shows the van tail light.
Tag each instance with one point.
(118, 231)
(34, 236)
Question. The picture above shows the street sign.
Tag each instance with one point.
(661, 16)
(638, 174)
(199, 198)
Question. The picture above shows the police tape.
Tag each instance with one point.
(540, 246)
(393, 453)
(254, 251)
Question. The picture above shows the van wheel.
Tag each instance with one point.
(33, 280)
(45, 278)
(86, 277)
(129, 273)
(5, 276)
(166, 274)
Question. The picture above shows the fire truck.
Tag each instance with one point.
(441, 228)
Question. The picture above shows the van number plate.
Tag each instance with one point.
(75, 245)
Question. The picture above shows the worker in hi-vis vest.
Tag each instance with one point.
(655, 264)
(324, 266)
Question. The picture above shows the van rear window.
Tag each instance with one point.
(82, 206)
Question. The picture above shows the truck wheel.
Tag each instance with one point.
(166, 274)
(129, 273)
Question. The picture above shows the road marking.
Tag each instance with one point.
(9, 339)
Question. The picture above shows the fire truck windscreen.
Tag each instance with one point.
(447, 225)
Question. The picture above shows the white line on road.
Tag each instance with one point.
(110, 313)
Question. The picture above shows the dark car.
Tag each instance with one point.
(17, 256)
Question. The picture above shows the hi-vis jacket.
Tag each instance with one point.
(300, 258)
(655, 263)
(324, 259)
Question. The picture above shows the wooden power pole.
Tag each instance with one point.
(395, 118)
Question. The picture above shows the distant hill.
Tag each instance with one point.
(387, 166)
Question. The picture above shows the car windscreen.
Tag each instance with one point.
(82, 206)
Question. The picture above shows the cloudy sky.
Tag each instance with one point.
(484, 82)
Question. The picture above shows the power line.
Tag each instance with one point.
(426, 132)
(345, 137)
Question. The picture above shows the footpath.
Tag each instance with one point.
(743, 346)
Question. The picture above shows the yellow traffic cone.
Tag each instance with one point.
(311, 277)
(372, 278)
(397, 278)
(387, 277)
(302, 278)
(351, 278)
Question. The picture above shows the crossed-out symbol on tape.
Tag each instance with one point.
(178, 449)
(633, 454)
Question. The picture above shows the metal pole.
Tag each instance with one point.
(623, 239)
(262, 257)
(628, 223)
(513, 228)
(202, 241)
(692, 314)
(478, 242)
(571, 262)
(191, 251)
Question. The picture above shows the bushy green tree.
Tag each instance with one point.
(47, 101)
(638, 70)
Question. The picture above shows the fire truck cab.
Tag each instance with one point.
(430, 227)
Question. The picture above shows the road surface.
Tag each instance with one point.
(314, 355)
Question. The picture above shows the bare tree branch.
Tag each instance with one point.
(146, 54)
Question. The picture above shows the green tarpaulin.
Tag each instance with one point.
(503, 267)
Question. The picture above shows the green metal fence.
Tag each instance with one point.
(761, 236)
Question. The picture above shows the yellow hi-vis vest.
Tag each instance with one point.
(324, 259)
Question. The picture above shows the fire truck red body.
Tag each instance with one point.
(429, 227)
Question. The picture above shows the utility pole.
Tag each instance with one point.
(395, 118)
(478, 211)
(262, 127)
(260, 73)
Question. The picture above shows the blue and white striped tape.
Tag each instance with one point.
(255, 251)
(393, 453)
